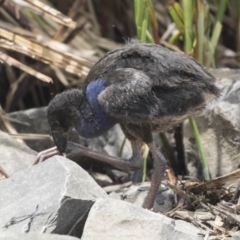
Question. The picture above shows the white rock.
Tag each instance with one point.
(113, 219)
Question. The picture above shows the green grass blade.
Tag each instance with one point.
(122, 147)
(144, 26)
(175, 11)
(204, 163)
(221, 8)
(238, 26)
(213, 43)
(170, 152)
(145, 155)
(174, 37)
(200, 30)
(152, 14)
(188, 27)
(136, 10)
(149, 37)
(210, 60)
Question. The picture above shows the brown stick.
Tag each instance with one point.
(217, 182)
(3, 172)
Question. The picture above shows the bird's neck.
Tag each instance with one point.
(95, 121)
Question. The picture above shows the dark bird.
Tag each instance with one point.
(143, 87)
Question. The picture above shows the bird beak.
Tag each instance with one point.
(60, 139)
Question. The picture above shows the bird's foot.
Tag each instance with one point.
(44, 155)
(71, 150)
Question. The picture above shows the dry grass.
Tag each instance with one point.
(213, 206)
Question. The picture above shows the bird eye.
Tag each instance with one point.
(55, 124)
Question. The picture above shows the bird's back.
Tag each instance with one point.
(165, 68)
(179, 86)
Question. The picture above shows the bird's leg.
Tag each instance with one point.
(74, 149)
(159, 164)
(134, 163)
(143, 132)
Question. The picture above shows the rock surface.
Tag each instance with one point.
(39, 236)
(14, 156)
(35, 122)
(57, 194)
(136, 194)
(236, 236)
(113, 219)
(219, 127)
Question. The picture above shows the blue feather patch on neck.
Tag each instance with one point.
(100, 122)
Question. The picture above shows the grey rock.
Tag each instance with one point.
(219, 127)
(113, 219)
(109, 142)
(14, 156)
(35, 122)
(136, 194)
(236, 236)
(39, 236)
(58, 193)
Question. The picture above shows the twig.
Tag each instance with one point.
(180, 193)
(217, 182)
(226, 214)
(116, 187)
(48, 11)
(236, 192)
(15, 120)
(13, 62)
(3, 172)
(31, 136)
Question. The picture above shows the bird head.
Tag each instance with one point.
(63, 112)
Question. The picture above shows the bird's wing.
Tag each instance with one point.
(129, 95)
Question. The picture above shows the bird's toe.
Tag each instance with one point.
(44, 155)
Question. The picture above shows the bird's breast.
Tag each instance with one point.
(96, 121)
